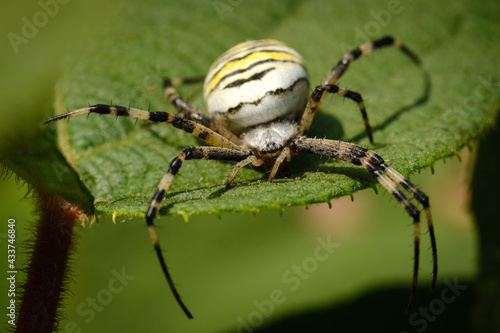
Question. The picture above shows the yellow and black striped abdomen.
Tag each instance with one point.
(256, 82)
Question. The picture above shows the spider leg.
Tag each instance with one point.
(317, 94)
(224, 150)
(423, 199)
(215, 153)
(188, 111)
(285, 154)
(198, 130)
(252, 159)
(389, 179)
(339, 69)
(365, 49)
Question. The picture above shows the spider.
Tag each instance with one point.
(257, 96)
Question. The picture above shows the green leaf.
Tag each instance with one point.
(38, 34)
(416, 121)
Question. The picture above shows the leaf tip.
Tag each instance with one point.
(185, 216)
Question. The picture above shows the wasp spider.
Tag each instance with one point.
(257, 97)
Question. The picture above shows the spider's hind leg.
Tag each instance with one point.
(185, 108)
(189, 111)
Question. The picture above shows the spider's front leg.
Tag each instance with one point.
(214, 153)
(204, 133)
(224, 150)
(389, 178)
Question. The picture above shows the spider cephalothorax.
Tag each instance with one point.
(257, 97)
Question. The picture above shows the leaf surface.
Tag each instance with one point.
(418, 116)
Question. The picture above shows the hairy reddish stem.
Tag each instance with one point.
(48, 266)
